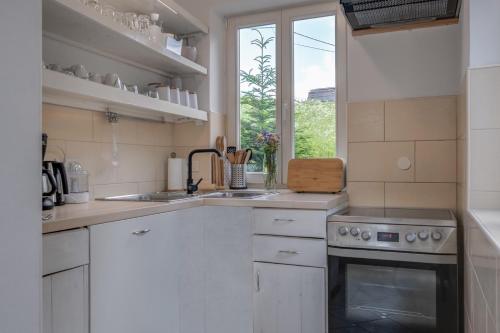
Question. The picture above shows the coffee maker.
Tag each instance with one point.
(49, 185)
(58, 170)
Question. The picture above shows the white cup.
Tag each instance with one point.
(190, 52)
(175, 95)
(184, 98)
(164, 93)
(193, 100)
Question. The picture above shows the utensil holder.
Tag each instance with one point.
(238, 177)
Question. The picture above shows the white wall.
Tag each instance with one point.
(423, 62)
(20, 168)
(484, 33)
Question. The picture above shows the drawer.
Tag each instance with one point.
(288, 250)
(65, 250)
(290, 222)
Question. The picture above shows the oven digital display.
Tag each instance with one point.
(388, 237)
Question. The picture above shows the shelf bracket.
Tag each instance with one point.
(112, 117)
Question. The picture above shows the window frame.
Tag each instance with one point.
(284, 68)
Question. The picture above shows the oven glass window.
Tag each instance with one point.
(369, 295)
(388, 297)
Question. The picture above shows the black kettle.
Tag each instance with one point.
(59, 171)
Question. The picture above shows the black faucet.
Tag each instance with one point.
(191, 187)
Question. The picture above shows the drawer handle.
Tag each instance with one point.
(292, 252)
(283, 220)
(141, 232)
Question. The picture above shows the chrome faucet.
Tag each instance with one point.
(191, 187)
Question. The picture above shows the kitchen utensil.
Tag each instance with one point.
(316, 175)
(49, 188)
(248, 155)
(238, 177)
(155, 33)
(133, 88)
(231, 149)
(78, 178)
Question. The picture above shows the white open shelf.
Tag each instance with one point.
(62, 89)
(72, 20)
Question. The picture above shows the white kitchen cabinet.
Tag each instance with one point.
(188, 271)
(65, 301)
(289, 299)
(134, 277)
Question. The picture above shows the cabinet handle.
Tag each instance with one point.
(283, 220)
(293, 252)
(141, 232)
(258, 281)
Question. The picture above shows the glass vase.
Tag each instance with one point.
(270, 164)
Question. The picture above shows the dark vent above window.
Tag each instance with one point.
(364, 14)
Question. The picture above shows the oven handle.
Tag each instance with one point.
(449, 259)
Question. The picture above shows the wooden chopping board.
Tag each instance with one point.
(316, 175)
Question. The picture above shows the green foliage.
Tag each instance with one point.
(314, 129)
(314, 120)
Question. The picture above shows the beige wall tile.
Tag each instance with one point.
(86, 153)
(125, 130)
(165, 132)
(217, 125)
(484, 97)
(56, 150)
(136, 163)
(162, 154)
(67, 123)
(485, 160)
(366, 121)
(378, 161)
(429, 118)
(436, 161)
(115, 189)
(147, 187)
(365, 194)
(147, 133)
(192, 134)
(420, 195)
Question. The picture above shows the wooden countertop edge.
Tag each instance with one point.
(112, 214)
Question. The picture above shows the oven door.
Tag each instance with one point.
(391, 292)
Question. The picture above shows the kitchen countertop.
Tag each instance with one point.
(72, 216)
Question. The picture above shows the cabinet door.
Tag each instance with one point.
(134, 278)
(65, 301)
(228, 272)
(289, 299)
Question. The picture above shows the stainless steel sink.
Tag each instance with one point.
(176, 196)
(236, 195)
(153, 197)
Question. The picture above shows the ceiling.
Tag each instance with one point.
(235, 7)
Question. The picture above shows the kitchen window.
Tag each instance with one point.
(284, 77)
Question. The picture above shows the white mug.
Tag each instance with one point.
(193, 100)
(184, 98)
(164, 93)
(96, 77)
(175, 95)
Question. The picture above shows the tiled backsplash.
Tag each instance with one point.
(383, 135)
(143, 147)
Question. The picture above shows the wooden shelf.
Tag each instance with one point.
(72, 20)
(62, 89)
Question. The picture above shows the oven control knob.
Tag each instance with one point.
(343, 231)
(436, 235)
(411, 237)
(366, 235)
(423, 235)
(355, 231)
